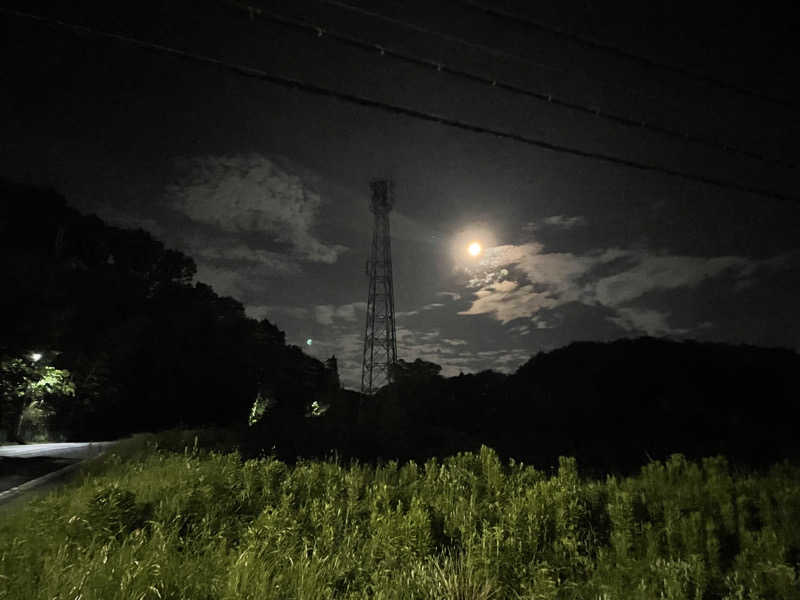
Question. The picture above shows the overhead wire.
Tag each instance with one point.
(319, 31)
(491, 51)
(618, 51)
(291, 83)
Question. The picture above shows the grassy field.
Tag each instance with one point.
(153, 521)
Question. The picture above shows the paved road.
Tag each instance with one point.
(55, 450)
(32, 469)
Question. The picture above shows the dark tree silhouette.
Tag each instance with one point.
(147, 347)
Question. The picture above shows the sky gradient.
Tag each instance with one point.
(267, 188)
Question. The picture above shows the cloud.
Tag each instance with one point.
(663, 272)
(452, 295)
(613, 278)
(342, 339)
(507, 300)
(275, 313)
(553, 281)
(225, 282)
(124, 219)
(325, 314)
(454, 342)
(565, 222)
(246, 194)
(239, 253)
(650, 321)
(423, 308)
(241, 279)
(432, 306)
(520, 329)
(555, 221)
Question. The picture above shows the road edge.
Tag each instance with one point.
(16, 491)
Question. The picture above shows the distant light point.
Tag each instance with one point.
(309, 341)
(36, 356)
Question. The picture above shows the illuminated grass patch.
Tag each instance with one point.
(152, 523)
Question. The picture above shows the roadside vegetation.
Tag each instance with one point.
(166, 517)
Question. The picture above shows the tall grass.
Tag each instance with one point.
(149, 522)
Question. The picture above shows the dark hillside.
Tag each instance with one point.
(612, 405)
(619, 402)
(147, 347)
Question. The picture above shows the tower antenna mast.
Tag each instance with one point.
(380, 344)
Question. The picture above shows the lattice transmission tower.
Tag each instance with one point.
(380, 345)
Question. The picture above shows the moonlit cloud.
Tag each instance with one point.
(540, 281)
(564, 221)
(452, 295)
(650, 321)
(274, 261)
(452, 354)
(432, 306)
(251, 194)
(663, 272)
(325, 314)
(507, 300)
(454, 342)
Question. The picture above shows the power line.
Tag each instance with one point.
(311, 88)
(354, 42)
(627, 54)
(502, 54)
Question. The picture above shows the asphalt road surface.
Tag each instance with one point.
(77, 450)
(22, 463)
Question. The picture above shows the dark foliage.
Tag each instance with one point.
(149, 349)
(611, 405)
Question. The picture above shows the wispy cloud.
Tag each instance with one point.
(432, 306)
(650, 321)
(664, 272)
(533, 281)
(243, 194)
(325, 314)
(452, 295)
(555, 221)
(241, 254)
(564, 221)
(452, 354)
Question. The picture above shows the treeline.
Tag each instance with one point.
(611, 405)
(145, 346)
(148, 349)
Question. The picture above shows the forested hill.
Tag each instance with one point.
(612, 405)
(146, 347)
(624, 400)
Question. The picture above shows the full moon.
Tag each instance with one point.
(474, 248)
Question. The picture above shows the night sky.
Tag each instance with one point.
(267, 188)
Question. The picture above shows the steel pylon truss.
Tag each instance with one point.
(380, 345)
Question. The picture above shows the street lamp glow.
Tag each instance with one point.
(474, 248)
(309, 341)
(36, 356)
